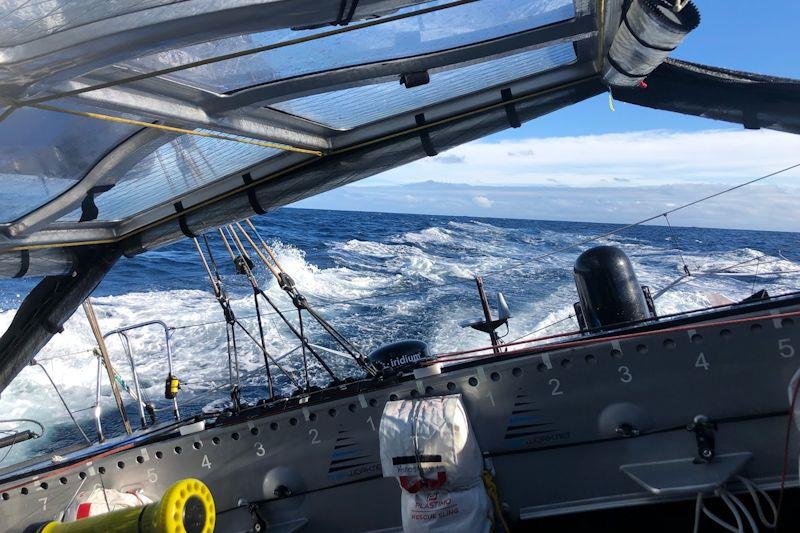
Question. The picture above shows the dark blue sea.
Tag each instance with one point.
(377, 278)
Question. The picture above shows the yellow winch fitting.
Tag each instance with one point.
(186, 507)
(171, 387)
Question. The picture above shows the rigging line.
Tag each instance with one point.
(548, 326)
(242, 53)
(264, 244)
(275, 362)
(755, 277)
(240, 246)
(303, 344)
(674, 240)
(183, 131)
(58, 393)
(261, 335)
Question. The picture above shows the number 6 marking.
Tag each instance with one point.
(785, 349)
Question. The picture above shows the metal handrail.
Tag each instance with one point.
(139, 400)
(122, 332)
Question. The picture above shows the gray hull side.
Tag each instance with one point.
(546, 422)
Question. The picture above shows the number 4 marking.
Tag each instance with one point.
(206, 463)
(701, 362)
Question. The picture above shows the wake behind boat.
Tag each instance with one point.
(146, 126)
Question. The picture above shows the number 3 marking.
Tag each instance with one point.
(625, 374)
(260, 451)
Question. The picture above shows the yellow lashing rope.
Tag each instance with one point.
(173, 129)
(491, 490)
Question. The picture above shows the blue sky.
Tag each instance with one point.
(632, 162)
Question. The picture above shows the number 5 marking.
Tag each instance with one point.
(785, 349)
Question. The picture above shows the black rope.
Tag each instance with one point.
(303, 344)
(24, 263)
(89, 209)
(182, 220)
(511, 110)
(251, 195)
(424, 136)
(263, 344)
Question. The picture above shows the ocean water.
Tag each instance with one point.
(378, 278)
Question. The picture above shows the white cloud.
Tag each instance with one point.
(482, 201)
(757, 206)
(619, 159)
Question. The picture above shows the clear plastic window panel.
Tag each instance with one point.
(349, 108)
(425, 33)
(172, 170)
(43, 153)
(27, 20)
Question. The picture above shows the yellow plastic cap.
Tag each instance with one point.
(186, 507)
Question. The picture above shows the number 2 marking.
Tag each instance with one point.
(314, 436)
(556, 390)
(785, 349)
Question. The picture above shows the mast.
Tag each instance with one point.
(101, 343)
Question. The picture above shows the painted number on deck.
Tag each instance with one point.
(152, 476)
(314, 436)
(625, 375)
(260, 451)
(701, 362)
(371, 423)
(206, 463)
(785, 349)
(556, 387)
